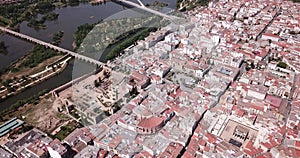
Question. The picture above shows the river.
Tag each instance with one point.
(68, 20)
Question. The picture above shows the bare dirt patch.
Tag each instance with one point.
(42, 115)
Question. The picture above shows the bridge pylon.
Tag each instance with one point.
(141, 3)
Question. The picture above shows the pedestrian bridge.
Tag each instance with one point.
(143, 7)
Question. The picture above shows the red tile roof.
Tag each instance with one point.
(265, 155)
(102, 154)
(297, 144)
(251, 150)
(150, 122)
(273, 100)
(210, 138)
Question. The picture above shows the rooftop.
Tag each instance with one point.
(9, 126)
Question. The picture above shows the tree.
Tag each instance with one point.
(106, 113)
(96, 84)
(282, 65)
(252, 65)
(82, 32)
(134, 92)
(116, 107)
(7, 82)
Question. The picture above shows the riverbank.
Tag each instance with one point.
(15, 13)
(81, 32)
(17, 79)
(186, 5)
(66, 24)
(40, 24)
(57, 37)
(115, 35)
(128, 39)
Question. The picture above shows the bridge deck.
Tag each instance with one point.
(148, 9)
(37, 41)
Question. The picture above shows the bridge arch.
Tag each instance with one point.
(49, 45)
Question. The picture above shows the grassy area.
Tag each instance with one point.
(32, 100)
(38, 55)
(75, 114)
(5, 21)
(110, 32)
(131, 39)
(17, 74)
(62, 116)
(66, 130)
(184, 5)
(34, 62)
(81, 32)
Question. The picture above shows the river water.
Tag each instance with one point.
(68, 21)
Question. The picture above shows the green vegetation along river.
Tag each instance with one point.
(68, 20)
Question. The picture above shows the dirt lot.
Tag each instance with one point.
(41, 115)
